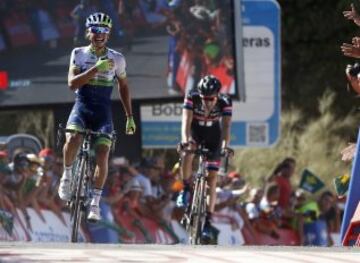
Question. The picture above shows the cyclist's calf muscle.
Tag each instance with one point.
(73, 142)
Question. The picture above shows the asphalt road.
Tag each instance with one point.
(61, 252)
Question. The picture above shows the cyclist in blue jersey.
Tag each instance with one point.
(92, 73)
(206, 120)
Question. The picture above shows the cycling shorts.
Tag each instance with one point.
(96, 117)
(210, 138)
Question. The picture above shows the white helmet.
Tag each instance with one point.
(98, 19)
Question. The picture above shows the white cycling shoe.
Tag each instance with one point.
(94, 214)
(64, 190)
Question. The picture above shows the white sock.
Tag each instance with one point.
(67, 172)
(96, 193)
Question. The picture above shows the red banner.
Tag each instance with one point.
(4, 81)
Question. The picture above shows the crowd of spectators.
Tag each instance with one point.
(147, 190)
(30, 180)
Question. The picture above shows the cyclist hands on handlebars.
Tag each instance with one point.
(190, 145)
(227, 151)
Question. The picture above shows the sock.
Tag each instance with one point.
(67, 172)
(96, 193)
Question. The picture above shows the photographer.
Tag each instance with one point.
(352, 50)
(352, 72)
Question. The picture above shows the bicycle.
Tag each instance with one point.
(81, 182)
(194, 218)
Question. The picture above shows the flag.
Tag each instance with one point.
(342, 184)
(310, 182)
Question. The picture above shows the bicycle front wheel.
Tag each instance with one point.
(197, 212)
(77, 213)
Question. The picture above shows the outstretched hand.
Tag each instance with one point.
(352, 15)
(227, 151)
(348, 153)
(351, 50)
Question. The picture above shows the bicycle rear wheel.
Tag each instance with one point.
(197, 211)
(77, 211)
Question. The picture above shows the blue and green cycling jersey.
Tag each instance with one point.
(92, 108)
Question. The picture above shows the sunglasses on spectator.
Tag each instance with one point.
(208, 98)
(99, 30)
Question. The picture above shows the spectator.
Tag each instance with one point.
(283, 174)
(329, 212)
(48, 183)
(352, 72)
(79, 14)
(129, 13)
(15, 181)
(30, 189)
(253, 205)
(130, 202)
(270, 210)
(5, 202)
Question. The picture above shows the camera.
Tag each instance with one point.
(353, 70)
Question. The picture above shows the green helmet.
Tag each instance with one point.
(98, 19)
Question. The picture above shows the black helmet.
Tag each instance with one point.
(209, 85)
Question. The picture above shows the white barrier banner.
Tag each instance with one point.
(48, 229)
(228, 236)
(11, 229)
(180, 232)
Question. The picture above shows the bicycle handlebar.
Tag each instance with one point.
(200, 150)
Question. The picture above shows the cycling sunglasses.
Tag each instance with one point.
(99, 30)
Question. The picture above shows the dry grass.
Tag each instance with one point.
(315, 144)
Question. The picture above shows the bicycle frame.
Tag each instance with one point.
(196, 215)
(195, 218)
(82, 180)
(81, 187)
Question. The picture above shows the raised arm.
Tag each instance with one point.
(352, 15)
